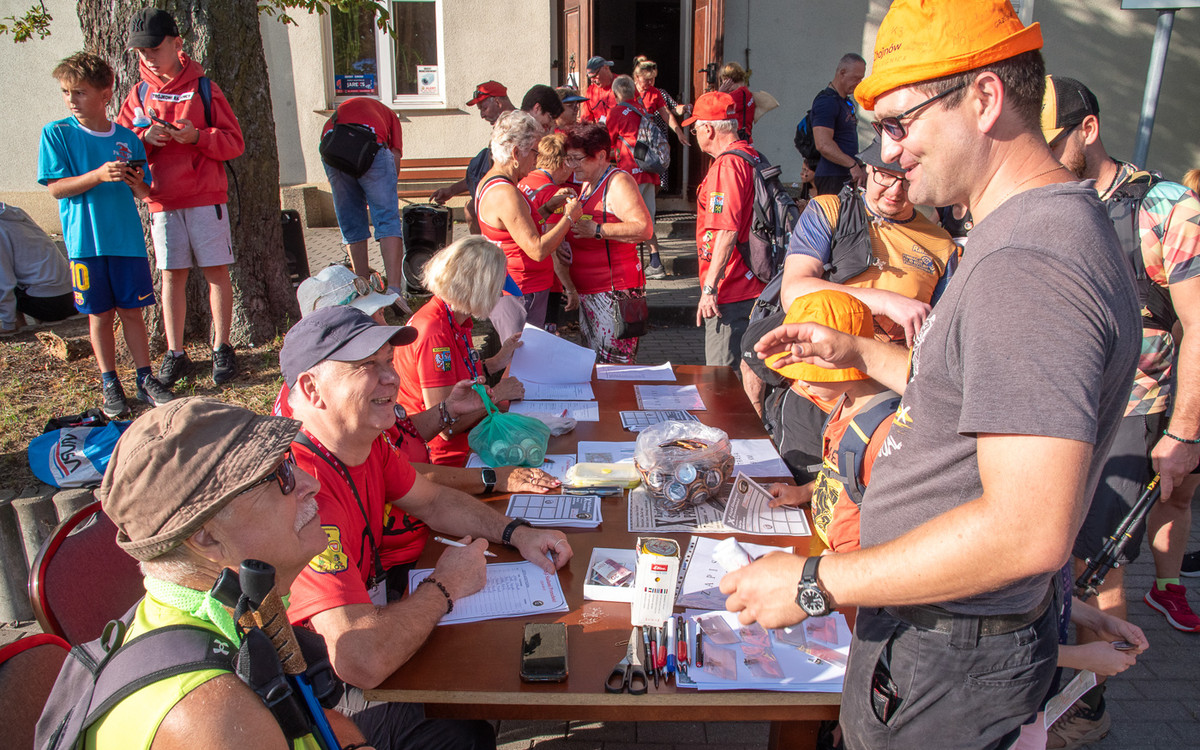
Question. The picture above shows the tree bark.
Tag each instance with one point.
(222, 36)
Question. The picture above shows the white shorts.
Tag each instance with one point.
(197, 236)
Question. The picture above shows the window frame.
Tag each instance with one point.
(385, 60)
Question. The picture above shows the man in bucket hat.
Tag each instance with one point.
(1011, 394)
(195, 487)
(337, 363)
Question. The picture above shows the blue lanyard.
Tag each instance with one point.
(472, 355)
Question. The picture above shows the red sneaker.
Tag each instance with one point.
(1173, 604)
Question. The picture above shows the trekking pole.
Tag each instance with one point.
(268, 614)
(1097, 568)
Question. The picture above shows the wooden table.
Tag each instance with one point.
(471, 670)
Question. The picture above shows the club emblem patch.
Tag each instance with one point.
(716, 203)
(441, 358)
(333, 559)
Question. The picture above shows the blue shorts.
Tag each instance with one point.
(376, 191)
(107, 281)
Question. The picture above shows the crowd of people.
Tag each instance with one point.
(961, 465)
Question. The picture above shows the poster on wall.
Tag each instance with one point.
(355, 85)
(427, 79)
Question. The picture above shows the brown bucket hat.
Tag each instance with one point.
(178, 465)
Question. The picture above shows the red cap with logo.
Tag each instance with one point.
(715, 105)
(486, 89)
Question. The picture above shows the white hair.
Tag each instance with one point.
(468, 275)
(624, 87)
(721, 126)
(514, 131)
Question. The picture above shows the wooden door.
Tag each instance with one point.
(708, 50)
(575, 41)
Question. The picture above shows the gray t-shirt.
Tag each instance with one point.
(1037, 333)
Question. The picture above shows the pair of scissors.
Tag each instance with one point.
(629, 675)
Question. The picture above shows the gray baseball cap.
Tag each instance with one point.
(341, 333)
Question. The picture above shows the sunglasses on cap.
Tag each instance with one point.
(284, 474)
(362, 287)
(894, 126)
(1062, 136)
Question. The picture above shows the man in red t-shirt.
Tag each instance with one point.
(337, 363)
(600, 98)
(724, 209)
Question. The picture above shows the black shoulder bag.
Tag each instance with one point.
(349, 147)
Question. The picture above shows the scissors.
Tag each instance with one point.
(628, 674)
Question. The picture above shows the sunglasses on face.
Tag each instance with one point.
(283, 474)
(895, 128)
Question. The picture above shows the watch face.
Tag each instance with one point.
(812, 601)
(489, 476)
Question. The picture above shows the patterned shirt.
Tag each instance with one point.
(1169, 230)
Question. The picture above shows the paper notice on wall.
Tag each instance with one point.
(427, 79)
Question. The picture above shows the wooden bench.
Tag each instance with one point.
(424, 175)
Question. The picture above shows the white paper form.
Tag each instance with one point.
(748, 511)
(796, 652)
(556, 464)
(662, 373)
(685, 397)
(580, 411)
(545, 358)
(700, 575)
(646, 516)
(514, 589)
(636, 421)
(557, 511)
(600, 452)
(535, 391)
(758, 458)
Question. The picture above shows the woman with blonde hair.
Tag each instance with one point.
(465, 279)
(540, 187)
(507, 218)
(733, 80)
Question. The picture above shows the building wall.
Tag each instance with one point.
(792, 47)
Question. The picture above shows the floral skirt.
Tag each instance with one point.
(597, 322)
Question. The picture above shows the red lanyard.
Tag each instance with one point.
(471, 355)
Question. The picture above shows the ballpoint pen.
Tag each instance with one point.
(648, 661)
(453, 543)
(672, 645)
(682, 632)
(661, 661)
(699, 646)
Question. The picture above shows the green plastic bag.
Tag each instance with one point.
(504, 439)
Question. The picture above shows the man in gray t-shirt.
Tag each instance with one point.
(1015, 383)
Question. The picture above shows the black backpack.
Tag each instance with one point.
(803, 140)
(1123, 206)
(349, 147)
(775, 214)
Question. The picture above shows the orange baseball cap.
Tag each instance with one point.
(715, 105)
(837, 310)
(920, 40)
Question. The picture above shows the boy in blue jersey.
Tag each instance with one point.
(95, 168)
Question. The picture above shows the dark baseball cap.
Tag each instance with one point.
(341, 333)
(1066, 104)
(596, 63)
(149, 27)
(568, 95)
(873, 155)
(178, 465)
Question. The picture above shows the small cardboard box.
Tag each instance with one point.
(654, 586)
(597, 587)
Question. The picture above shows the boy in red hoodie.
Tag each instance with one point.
(189, 132)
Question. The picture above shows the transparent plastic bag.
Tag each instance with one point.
(505, 439)
(683, 463)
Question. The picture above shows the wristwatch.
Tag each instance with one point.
(597, 233)
(810, 597)
(708, 289)
(506, 537)
(489, 480)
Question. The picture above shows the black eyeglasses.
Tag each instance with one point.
(886, 180)
(283, 474)
(897, 130)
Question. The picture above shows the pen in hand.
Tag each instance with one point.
(452, 543)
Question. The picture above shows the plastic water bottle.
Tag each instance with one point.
(139, 118)
(534, 454)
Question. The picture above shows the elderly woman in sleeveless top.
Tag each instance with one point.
(604, 258)
(507, 218)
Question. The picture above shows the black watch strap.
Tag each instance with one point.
(506, 537)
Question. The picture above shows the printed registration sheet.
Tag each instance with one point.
(580, 411)
(594, 451)
(636, 421)
(662, 373)
(758, 458)
(535, 391)
(572, 363)
(557, 511)
(700, 575)
(516, 589)
(749, 511)
(556, 464)
(686, 397)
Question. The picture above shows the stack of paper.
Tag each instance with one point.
(580, 411)
(557, 511)
(685, 397)
(663, 373)
(810, 657)
(758, 458)
(557, 377)
(636, 421)
(599, 452)
(555, 464)
(517, 589)
(700, 576)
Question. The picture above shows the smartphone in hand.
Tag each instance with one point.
(164, 123)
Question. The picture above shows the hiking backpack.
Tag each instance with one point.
(1123, 206)
(775, 214)
(803, 140)
(852, 449)
(849, 252)
(651, 151)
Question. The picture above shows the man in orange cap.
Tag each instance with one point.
(1011, 396)
(724, 210)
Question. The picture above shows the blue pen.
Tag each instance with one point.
(671, 645)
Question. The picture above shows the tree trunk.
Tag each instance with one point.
(222, 36)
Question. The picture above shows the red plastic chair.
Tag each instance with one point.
(28, 668)
(81, 579)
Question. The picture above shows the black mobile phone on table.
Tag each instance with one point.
(544, 652)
